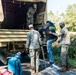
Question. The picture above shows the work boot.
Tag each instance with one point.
(67, 67)
(63, 69)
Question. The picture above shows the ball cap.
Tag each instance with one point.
(61, 23)
(30, 25)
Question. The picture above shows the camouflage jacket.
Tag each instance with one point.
(65, 37)
(33, 40)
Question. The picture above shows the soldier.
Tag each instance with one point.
(49, 26)
(33, 43)
(64, 42)
(30, 14)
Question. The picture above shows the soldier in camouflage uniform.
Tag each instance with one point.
(34, 44)
(30, 14)
(64, 42)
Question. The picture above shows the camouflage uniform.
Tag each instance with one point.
(33, 43)
(64, 55)
(30, 14)
(64, 42)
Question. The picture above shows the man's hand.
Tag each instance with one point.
(49, 32)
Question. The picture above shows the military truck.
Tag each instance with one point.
(14, 21)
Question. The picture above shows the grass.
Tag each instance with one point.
(72, 62)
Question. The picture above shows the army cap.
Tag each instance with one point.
(61, 23)
(31, 25)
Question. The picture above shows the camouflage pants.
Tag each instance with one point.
(34, 55)
(64, 55)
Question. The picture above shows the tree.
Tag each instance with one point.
(70, 17)
(53, 18)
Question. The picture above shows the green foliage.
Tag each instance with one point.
(57, 59)
(53, 18)
(56, 50)
(70, 17)
(72, 47)
(72, 63)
